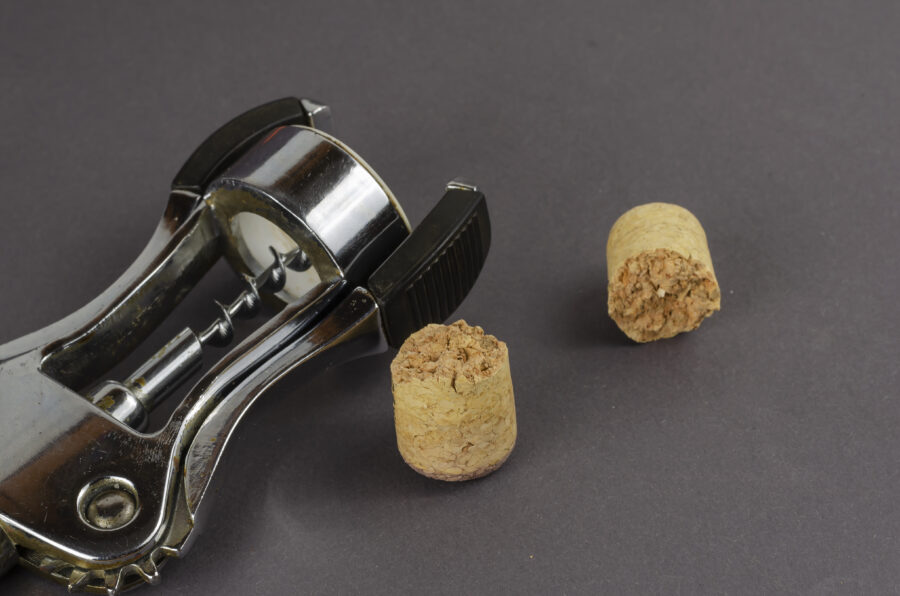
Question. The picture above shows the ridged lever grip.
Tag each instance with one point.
(430, 274)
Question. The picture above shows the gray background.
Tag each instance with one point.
(756, 455)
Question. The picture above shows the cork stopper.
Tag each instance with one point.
(661, 278)
(454, 409)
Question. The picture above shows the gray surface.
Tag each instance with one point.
(758, 454)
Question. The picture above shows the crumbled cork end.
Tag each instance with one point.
(448, 351)
(454, 408)
(660, 293)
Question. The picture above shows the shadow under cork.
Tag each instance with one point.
(583, 318)
(350, 454)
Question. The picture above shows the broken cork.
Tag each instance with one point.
(661, 278)
(454, 410)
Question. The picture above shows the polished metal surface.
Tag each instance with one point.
(351, 328)
(54, 441)
(78, 349)
(320, 195)
(93, 502)
(132, 400)
(164, 372)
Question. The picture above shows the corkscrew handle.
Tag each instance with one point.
(350, 280)
(76, 350)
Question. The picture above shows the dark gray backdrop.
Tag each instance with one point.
(756, 455)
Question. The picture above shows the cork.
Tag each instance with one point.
(454, 409)
(661, 278)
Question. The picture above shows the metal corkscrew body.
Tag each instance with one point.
(132, 400)
(221, 332)
(92, 500)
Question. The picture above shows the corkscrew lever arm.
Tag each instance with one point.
(78, 349)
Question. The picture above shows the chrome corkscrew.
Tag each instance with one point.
(88, 497)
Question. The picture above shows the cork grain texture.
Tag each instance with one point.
(661, 278)
(454, 409)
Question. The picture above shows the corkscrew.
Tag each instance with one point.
(91, 499)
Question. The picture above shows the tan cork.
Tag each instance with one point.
(454, 409)
(661, 278)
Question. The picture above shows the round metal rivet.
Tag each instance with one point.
(108, 503)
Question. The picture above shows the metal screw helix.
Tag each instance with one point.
(247, 304)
